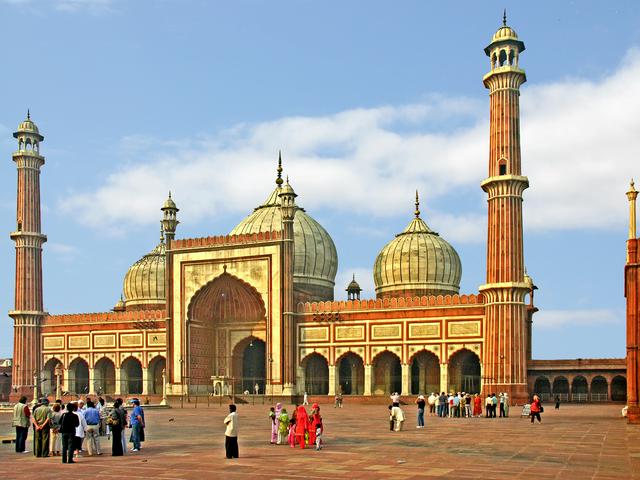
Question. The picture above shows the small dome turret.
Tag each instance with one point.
(353, 289)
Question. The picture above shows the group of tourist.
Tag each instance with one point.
(463, 405)
(64, 430)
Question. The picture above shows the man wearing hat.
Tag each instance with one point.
(42, 427)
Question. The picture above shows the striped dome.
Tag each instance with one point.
(144, 282)
(315, 255)
(417, 262)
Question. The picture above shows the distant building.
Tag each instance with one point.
(257, 306)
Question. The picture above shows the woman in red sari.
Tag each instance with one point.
(315, 410)
(302, 425)
(477, 405)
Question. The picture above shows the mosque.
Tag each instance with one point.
(255, 309)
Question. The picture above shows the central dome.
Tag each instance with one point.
(417, 262)
(315, 256)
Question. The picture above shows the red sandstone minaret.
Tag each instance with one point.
(632, 293)
(288, 211)
(505, 356)
(28, 312)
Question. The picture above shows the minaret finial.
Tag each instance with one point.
(169, 193)
(28, 114)
(279, 178)
(632, 195)
(504, 18)
(417, 212)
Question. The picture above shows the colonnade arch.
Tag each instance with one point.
(48, 376)
(131, 380)
(316, 374)
(425, 373)
(104, 373)
(387, 373)
(464, 372)
(351, 374)
(78, 377)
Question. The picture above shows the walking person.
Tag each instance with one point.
(487, 406)
(231, 433)
(557, 402)
(42, 427)
(68, 424)
(501, 400)
(55, 438)
(115, 423)
(421, 404)
(315, 410)
(137, 425)
(305, 399)
(92, 417)
(494, 405)
(536, 409)
(316, 425)
(21, 417)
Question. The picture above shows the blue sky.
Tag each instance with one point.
(367, 100)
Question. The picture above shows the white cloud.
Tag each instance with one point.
(550, 319)
(580, 143)
(62, 252)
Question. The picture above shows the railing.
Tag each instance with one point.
(599, 397)
(580, 397)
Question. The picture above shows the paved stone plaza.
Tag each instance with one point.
(578, 442)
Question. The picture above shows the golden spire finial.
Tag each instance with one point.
(279, 178)
(169, 193)
(417, 212)
(632, 194)
(504, 18)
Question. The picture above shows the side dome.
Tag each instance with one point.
(315, 256)
(417, 262)
(144, 282)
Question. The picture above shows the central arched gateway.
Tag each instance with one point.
(249, 365)
(216, 313)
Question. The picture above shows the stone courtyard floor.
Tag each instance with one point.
(576, 442)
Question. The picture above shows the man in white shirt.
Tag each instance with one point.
(231, 433)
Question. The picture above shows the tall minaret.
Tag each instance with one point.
(288, 211)
(632, 294)
(28, 312)
(168, 224)
(504, 357)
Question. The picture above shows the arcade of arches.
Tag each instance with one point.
(386, 374)
(581, 388)
(103, 378)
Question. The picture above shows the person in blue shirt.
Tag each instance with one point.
(137, 425)
(92, 417)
